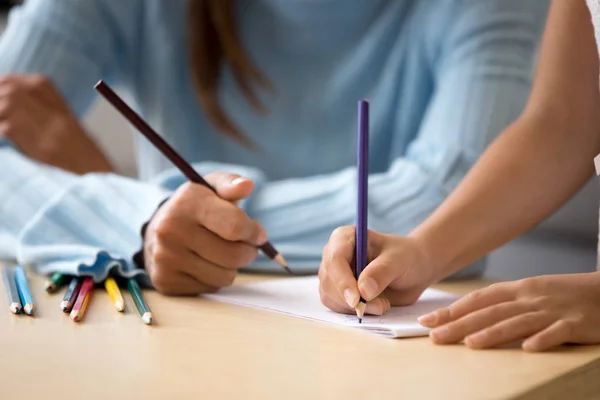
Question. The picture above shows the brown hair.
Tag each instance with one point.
(213, 43)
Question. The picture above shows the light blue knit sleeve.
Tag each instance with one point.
(72, 42)
(483, 70)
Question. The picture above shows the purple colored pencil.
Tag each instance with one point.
(363, 195)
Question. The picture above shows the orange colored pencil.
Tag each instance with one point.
(83, 298)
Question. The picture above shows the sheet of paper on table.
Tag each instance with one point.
(299, 297)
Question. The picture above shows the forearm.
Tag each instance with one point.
(532, 169)
(539, 162)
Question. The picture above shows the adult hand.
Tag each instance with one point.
(546, 311)
(197, 241)
(397, 273)
(35, 117)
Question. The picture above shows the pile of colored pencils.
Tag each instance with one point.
(79, 293)
(77, 296)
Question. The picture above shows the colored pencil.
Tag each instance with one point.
(55, 282)
(24, 292)
(172, 155)
(14, 301)
(114, 293)
(66, 305)
(138, 299)
(363, 195)
(83, 299)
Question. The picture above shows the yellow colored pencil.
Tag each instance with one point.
(114, 293)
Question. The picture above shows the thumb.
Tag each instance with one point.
(230, 187)
(376, 277)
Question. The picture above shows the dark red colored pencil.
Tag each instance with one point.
(83, 298)
(172, 155)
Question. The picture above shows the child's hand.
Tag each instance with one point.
(397, 273)
(546, 311)
(197, 240)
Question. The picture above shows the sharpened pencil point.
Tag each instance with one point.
(15, 308)
(147, 318)
(75, 316)
(360, 310)
(120, 306)
(29, 309)
(50, 287)
(281, 261)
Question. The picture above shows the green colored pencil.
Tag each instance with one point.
(138, 299)
(56, 281)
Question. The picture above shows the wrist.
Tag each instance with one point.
(436, 253)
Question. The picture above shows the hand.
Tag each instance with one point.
(197, 241)
(546, 311)
(397, 273)
(35, 117)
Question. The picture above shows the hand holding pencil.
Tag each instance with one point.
(217, 233)
(197, 241)
(366, 272)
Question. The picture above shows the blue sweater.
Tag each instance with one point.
(444, 78)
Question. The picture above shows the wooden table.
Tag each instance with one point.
(203, 349)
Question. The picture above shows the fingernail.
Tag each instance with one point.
(368, 288)
(237, 181)
(440, 334)
(475, 339)
(351, 297)
(529, 345)
(428, 319)
(377, 308)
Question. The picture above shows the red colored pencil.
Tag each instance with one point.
(83, 298)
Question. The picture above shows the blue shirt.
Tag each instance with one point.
(444, 78)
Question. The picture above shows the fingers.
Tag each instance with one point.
(336, 266)
(509, 330)
(230, 222)
(477, 300)
(200, 204)
(208, 245)
(170, 264)
(230, 187)
(36, 85)
(377, 276)
(456, 331)
(556, 334)
(179, 284)
(331, 299)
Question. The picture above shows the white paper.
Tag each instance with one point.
(299, 297)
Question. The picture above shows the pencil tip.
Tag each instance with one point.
(15, 308)
(360, 310)
(120, 306)
(49, 287)
(281, 261)
(75, 316)
(29, 309)
(147, 318)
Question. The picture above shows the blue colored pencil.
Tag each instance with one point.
(363, 194)
(24, 291)
(14, 301)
